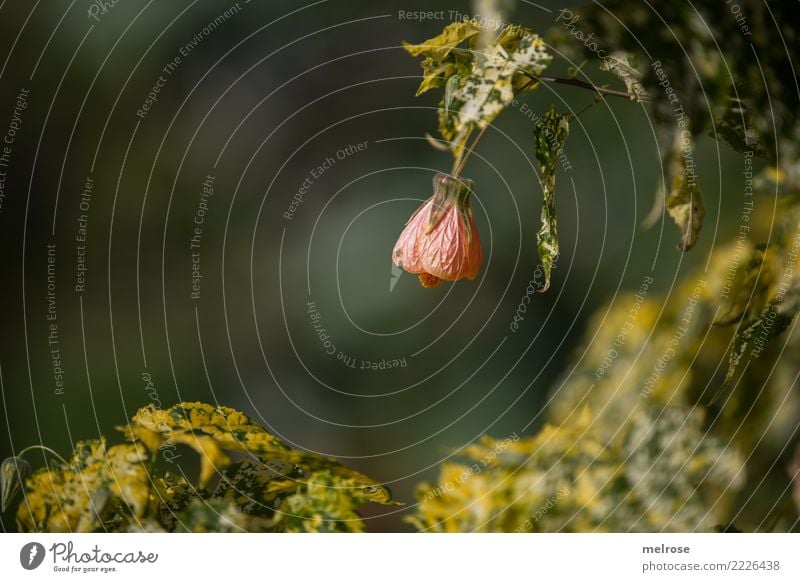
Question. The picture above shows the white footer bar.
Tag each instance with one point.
(401, 557)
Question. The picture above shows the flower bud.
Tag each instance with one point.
(13, 473)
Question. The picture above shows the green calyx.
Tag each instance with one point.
(448, 190)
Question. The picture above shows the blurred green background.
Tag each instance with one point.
(259, 102)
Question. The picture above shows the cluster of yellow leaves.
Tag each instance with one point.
(629, 445)
(658, 472)
(249, 481)
(645, 433)
(98, 481)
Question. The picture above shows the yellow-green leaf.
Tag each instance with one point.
(440, 46)
(489, 87)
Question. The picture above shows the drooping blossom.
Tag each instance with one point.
(440, 241)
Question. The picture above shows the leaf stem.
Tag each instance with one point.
(586, 108)
(43, 448)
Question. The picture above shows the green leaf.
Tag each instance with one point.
(773, 301)
(550, 134)
(489, 86)
(684, 201)
(750, 286)
(735, 127)
(436, 74)
(251, 485)
(752, 340)
(442, 61)
(217, 515)
(327, 504)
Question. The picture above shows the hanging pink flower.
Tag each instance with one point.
(440, 240)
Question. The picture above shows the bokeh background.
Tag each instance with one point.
(259, 102)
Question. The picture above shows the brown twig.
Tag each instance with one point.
(584, 85)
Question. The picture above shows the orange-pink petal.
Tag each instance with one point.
(451, 250)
